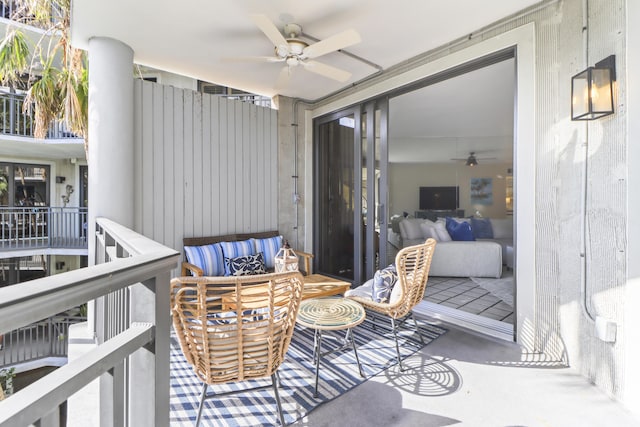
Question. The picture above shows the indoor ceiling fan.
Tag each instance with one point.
(472, 160)
(293, 51)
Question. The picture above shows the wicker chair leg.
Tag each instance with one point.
(395, 336)
(201, 406)
(415, 322)
(275, 391)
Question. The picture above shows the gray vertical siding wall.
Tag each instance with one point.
(206, 165)
(562, 330)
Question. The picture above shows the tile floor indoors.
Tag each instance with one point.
(463, 294)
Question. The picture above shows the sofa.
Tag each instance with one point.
(236, 254)
(482, 257)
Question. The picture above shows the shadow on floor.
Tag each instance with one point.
(373, 404)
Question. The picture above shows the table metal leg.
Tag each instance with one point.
(353, 344)
(318, 354)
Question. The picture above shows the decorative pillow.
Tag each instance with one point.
(428, 230)
(410, 228)
(209, 258)
(269, 247)
(481, 228)
(459, 230)
(383, 282)
(236, 249)
(244, 265)
(441, 231)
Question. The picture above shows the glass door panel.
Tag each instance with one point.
(336, 196)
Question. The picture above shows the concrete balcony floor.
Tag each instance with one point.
(465, 379)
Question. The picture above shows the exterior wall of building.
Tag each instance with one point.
(561, 327)
(205, 165)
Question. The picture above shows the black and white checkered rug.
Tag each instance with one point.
(338, 374)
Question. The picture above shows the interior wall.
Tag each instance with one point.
(206, 165)
(560, 328)
(405, 180)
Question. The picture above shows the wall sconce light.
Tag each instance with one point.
(592, 91)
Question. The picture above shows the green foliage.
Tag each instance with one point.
(14, 56)
(6, 379)
(59, 90)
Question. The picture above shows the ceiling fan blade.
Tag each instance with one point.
(252, 59)
(283, 78)
(331, 44)
(271, 31)
(326, 70)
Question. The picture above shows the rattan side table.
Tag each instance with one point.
(331, 314)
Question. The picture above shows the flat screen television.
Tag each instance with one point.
(439, 198)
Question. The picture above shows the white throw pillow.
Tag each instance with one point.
(410, 228)
(441, 230)
(428, 230)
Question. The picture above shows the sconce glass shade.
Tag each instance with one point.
(592, 93)
(285, 260)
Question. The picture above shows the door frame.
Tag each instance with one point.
(522, 39)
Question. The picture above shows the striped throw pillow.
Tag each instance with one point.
(237, 249)
(269, 248)
(209, 258)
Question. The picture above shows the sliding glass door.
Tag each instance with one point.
(350, 200)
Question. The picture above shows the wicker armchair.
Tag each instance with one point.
(412, 264)
(235, 328)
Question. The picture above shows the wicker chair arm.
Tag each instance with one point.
(306, 259)
(188, 267)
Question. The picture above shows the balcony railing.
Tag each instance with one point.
(47, 227)
(14, 11)
(131, 364)
(14, 122)
(47, 338)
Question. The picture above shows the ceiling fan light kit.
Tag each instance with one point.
(293, 51)
(471, 160)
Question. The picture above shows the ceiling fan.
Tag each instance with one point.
(472, 160)
(293, 51)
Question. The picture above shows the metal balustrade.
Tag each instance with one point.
(43, 227)
(47, 338)
(14, 121)
(132, 361)
(14, 11)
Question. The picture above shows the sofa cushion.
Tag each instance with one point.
(269, 248)
(410, 228)
(208, 257)
(428, 229)
(383, 282)
(481, 228)
(441, 231)
(240, 248)
(363, 291)
(460, 231)
(244, 265)
(502, 228)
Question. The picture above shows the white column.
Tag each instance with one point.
(110, 159)
(110, 134)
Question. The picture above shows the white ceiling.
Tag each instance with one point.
(192, 37)
(472, 112)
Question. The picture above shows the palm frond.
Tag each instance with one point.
(14, 56)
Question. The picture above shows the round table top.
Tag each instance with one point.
(330, 313)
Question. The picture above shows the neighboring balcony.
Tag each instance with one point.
(14, 122)
(42, 228)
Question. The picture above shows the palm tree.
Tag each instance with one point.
(56, 71)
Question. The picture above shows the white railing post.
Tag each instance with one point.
(149, 366)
